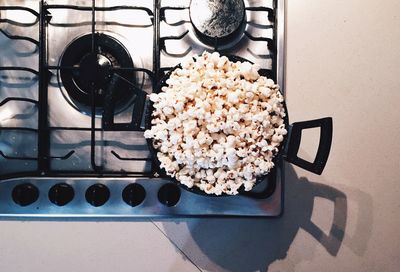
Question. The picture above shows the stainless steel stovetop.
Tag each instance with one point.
(58, 156)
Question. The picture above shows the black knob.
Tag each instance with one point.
(61, 194)
(169, 194)
(133, 194)
(97, 194)
(25, 194)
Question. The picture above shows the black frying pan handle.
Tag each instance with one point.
(324, 147)
(116, 83)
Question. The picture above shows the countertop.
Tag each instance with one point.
(343, 61)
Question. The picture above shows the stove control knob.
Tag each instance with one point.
(169, 194)
(133, 194)
(25, 194)
(61, 194)
(97, 194)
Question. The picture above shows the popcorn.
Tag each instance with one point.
(218, 124)
(249, 71)
(233, 97)
(154, 97)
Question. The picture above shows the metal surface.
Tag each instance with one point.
(44, 139)
(188, 205)
(280, 43)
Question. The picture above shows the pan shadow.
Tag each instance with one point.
(232, 244)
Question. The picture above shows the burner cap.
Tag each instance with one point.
(95, 69)
(217, 21)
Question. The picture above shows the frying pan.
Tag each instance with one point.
(288, 149)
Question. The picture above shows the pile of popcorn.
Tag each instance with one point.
(217, 124)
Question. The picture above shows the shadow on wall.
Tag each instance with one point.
(253, 244)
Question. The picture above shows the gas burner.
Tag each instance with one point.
(95, 70)
(217, 22)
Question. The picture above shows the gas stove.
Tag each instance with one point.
(74, 81)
